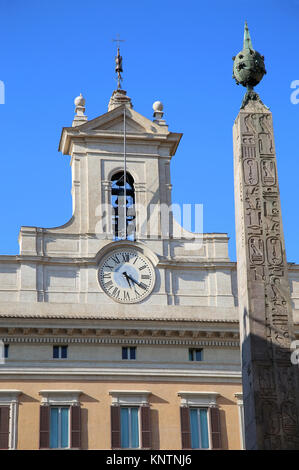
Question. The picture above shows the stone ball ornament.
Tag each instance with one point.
(158, 106)
(79, 100)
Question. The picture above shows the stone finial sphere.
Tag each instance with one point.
(79, 101)
(158, 106)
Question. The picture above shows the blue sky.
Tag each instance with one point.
(176, 52)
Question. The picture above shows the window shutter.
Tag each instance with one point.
(44, 427)
(185, 428)
(75, 427)
(146, 432)
(215, 428)
(4, 427)
(115, 427)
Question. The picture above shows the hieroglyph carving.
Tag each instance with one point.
(276, 408)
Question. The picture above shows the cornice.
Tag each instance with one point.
(124, 374)
(120, 336)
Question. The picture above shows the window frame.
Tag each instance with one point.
(60, 346)
(200, 399)
(61, 398)
(11, 398)
(198, 408)
(193, 352)
(131, 399)
(60, 407)
(130, 427)
(128, 353)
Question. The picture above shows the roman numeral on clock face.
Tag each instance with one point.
(126, 257)
(108, 285)
(116, 292)
(126, 295)
(108, 266)
(143, 286)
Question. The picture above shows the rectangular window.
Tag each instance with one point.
(195, 354)
(129, 353)
(129, 427)
(199, 428)
(59, 352)
(59, 427)
(6, 348)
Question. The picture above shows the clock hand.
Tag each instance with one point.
(127, 277)
(136, 282)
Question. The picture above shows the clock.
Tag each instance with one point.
(126, 275)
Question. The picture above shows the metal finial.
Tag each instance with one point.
(118, 63)
(249, 68)
(247, 39)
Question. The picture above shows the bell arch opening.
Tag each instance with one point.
(123, 206)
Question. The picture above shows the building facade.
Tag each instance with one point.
(120, 328)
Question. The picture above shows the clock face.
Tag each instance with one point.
(126, 275)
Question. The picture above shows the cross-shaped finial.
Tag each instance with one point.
(118, 40)
(118, 63)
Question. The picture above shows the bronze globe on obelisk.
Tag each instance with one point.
(249, 68)
(270, 380)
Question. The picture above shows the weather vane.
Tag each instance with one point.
(118, 63)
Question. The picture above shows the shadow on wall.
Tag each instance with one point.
(270, 382)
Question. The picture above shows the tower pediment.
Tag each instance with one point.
(112, 124)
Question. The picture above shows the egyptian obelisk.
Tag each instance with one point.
(270, 380)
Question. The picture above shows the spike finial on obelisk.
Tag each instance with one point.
(249, 68)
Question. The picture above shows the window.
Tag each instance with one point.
(199, 428)
(3, 351)
(60, 419)
(129, 427)
(200, 420)
(129, 353)
(195, 354)
(59, 352)
(130, 419)
(59, 427)
(122, 201)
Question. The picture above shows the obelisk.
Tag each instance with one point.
(270, 380)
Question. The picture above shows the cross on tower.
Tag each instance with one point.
(118, 40)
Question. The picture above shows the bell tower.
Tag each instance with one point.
(121, 145)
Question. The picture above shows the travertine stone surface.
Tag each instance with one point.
(270, 381)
